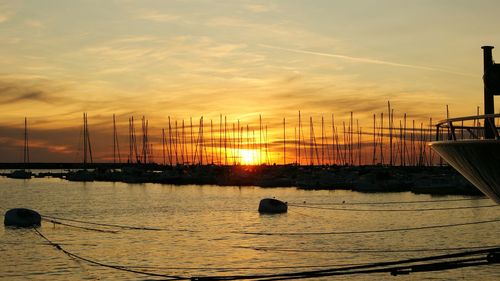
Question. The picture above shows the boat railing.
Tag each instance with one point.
(469, 127)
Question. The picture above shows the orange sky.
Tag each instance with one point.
(241, 59)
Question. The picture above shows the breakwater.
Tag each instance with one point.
(431, 180)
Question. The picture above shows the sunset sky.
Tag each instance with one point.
(236, 58)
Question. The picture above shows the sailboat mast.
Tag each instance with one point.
(254, 146)
(131, 140)
(333, 140)
(135, 142)
(87, 147)
(351, 139)
(260, 139)
(413, 153)
(183, 145)
(163, 144)
(401, 151)
(179, 141)
(284, 142)
(295, 136)
(311, 132)
(382, 138)
(212, 141)
(148, 146)
(360, 135)
(201, 140)
(220, 139)
(26, 156)
(176, 142)
(390, 132)
(170, 149)
(192, 142)
(116, 145)
(248, 138)
(84, 141)
(238, 141)
(344, 150)
(298, 140)
(405, 150)
(265, 146)
(374, 140)
(225, 140)
(114, 140)
(322, 141)
(144, 141)
(232, 145)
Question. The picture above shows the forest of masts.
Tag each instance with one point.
(304, 142)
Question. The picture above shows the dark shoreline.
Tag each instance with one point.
(435, 180)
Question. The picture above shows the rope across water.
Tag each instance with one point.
(434, 263)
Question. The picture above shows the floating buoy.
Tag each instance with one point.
(22, 217)
(272, 206)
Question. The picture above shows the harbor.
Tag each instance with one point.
(426, 180)
(206, 140)
(384, 158)
(209, 230)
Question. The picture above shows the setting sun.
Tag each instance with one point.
(248, 157)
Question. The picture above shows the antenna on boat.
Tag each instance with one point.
(491, 80)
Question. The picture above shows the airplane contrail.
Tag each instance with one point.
(366, 60)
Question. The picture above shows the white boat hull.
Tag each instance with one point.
(477, 160)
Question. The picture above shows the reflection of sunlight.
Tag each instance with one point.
(248, 157)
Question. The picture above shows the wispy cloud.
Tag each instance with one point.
(259, 8)
(5, 13)
(136, 39)
(18, 93)
(34, 23)
(157, 16)
(15, 93)
(365, 60)
(30, 96)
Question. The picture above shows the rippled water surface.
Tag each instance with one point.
(210, 230)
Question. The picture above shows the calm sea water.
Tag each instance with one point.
(204, 231)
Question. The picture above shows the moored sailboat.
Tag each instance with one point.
(23, 173)
(474, 150)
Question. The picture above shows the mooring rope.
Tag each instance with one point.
(222, 269)
(393, 202)
(369, 231)
(393, 210)
(272, 233)
(46, 244)
(395, 270)
(78, 257)
(394, 267)
(54, 244)
(103, 224)
(80, 227)
(277, 249)
(54, 219)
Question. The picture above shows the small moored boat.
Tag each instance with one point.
(21, 217)
(272, 206)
